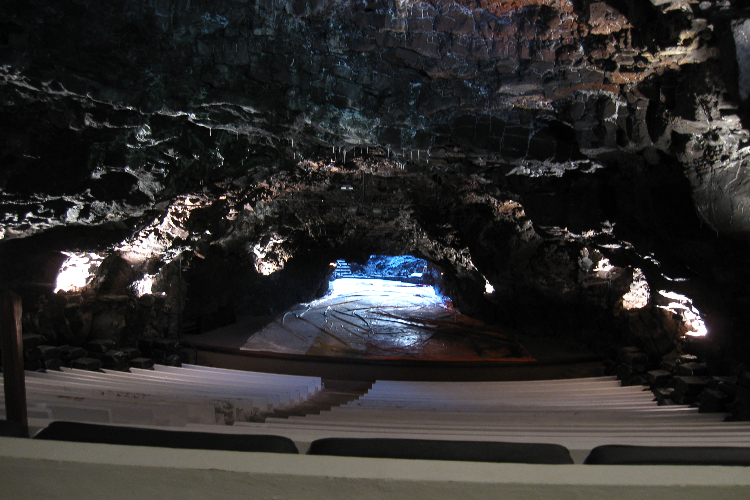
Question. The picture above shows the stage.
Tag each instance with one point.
(375, 329)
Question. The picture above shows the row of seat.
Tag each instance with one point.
(474, 451)
(579, 414)
(165, 396)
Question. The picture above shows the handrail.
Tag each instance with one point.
(11, 341)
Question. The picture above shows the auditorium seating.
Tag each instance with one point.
(109, 434)
(426, 449)
(522, 422)
(166, 396)
(669, 455)
(579, 414)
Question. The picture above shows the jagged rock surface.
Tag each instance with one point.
(515, 143)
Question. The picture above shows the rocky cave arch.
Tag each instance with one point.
(227, 151)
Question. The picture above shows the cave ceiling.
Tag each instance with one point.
(512, 142)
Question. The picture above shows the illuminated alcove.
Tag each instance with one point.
(388, 308)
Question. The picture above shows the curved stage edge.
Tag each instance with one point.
(337, 368)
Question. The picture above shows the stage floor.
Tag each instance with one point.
(391, 322)
(379, 319)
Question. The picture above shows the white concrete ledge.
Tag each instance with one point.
(48, 469)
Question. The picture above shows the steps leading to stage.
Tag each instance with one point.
(334, 393)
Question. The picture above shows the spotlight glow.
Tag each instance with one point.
(77, 271)
(683, 306)
(266, 268)
(604, 265)
(639, 294)
(270, 256)
(145, 285)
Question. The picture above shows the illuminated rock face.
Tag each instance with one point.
(517, 144)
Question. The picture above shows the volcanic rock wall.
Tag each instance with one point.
(554, 149)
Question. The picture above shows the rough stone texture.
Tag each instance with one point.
(89, 364)
(741, 33)
(556, 149)
(658, 378)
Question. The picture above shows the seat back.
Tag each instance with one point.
(429, 449)
(668, 455)
(134, 436)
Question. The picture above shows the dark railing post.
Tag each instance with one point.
(12, 345)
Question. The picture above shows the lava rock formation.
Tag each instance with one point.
(216, 156)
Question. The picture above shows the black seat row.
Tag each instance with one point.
(136, 436)
(529, 453)
(668, 455)
(12, 429)
(427, 449)
(420, 449)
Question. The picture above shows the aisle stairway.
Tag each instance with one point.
(334, 393)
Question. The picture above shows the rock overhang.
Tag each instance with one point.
(243, 121)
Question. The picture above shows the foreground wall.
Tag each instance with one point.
(33, 469)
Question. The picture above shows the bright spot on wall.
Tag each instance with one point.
(683, 306)
(639, 294)
(145, 285)
(488, 288)
(266, 268)
(603, 266)
(158, 238)
(77, 271)
(270, 256)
